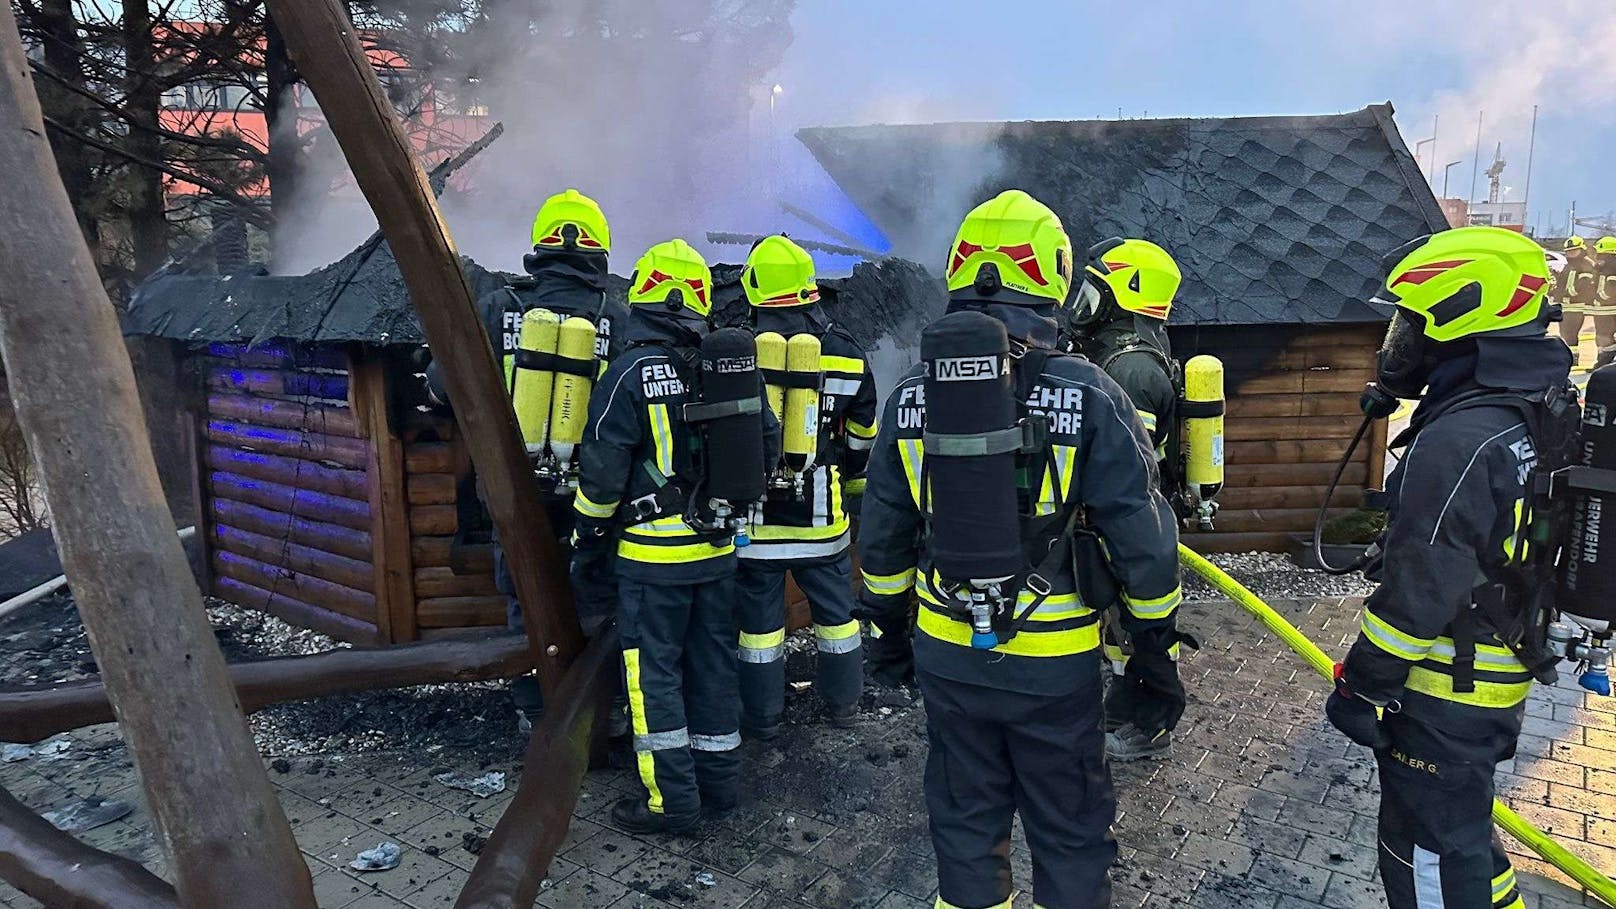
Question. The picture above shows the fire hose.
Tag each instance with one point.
(1513, 824)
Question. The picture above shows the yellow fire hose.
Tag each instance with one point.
(1512, 823)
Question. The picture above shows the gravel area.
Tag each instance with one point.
(1272, 576)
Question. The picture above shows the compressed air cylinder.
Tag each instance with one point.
(771, 356)
(800, 425)
(1587, 579)
(732, 445)
(530, 389)
(569, 407)
(1203, 425)
(975, 532)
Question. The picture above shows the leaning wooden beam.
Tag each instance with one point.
(30, 715)
(58, 870)
(211, 803)
(326, 49)
(517, 858)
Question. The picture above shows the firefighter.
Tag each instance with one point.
(827, 408)
(639, 480)
(1468, 339)
(566, 273)
(1603, 306)
(1007, 657)
(1118, 319)
(1576, 290)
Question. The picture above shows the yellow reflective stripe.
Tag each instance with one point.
(836, 632)
(943, 904)
(1387, 637)
(1488, 657)
(589, 508)
(662, 433)
(1149, 419)
(1027, 643)
(1048, 611)
(670, 526)
(636, 708)
(1046, 493)
(671, 555)
(763, 641)
(1065, 461)
(913, 454)
(859, 430)
(1503, 883)
(889, 584)
(1155, 608)
(850, 365)
(785, 532)
(1487, 694)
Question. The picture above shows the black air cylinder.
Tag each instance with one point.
(733, 444)
(1587, 579)
(975, 532)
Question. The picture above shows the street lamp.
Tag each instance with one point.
(774, 152)
(1445, 177)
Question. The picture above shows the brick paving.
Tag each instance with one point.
(1264, 806)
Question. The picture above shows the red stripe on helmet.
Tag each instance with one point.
(1027, 260)
(1529, 287)
(1425, 273)
(962, 252)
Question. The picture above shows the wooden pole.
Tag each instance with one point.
(30, 715)
(74, 390)
(517, 857)
(58, 870)
(326, 50)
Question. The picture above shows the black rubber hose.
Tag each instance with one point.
(1324, 507)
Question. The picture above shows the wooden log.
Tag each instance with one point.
(1346, 496)
(461, 612)
(429, 457)
(432, 489)
(1297, 357)
(295, 473)
(28, 715)
(320, 418)
(309, 446)
(1288, 520)
(1318, 474)
(297, 613)
(1311, 381)
(1248, 429)
(302, 503)
(56, 869)
(279, 355)
(434, 520)
(279, 525)
(280, 553)
(202, 519)
(355, 604)
(1244, 405)
(325, 46)
(442, 552)
(1272, 541)
(446, 582)
(1327, 451)
(279, 383)
(1376, 441)
(518, 854)
(70, 379)
(389, 510)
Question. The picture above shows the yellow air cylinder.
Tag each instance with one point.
(800, 425)
(530, 388)
(1203, 425)
(771, 353)
(569, 408)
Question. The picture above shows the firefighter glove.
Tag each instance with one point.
(1355, 716)
(1154, 691)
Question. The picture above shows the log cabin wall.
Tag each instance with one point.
(1292, 395)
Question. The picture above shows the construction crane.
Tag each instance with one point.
(1495, 174)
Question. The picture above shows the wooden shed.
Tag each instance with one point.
(1279, 224)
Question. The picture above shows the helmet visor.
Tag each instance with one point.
(1085, 307)
(1404, 364)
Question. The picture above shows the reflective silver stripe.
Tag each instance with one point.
(729, 741)
(840, 645)
(760, 655)
(790, 549)
(822, 479)
(663, 741)
(1427, 880)
(854, 443)
(1484, 660)
(846, 387)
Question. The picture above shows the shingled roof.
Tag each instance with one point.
(1273, 219)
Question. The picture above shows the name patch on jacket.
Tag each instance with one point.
(1062, 407)
(1525, 459)
(912, 407)
(603, 339)
(658, 380)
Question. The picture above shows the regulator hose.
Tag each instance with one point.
(1513, 824)
(1324, 506)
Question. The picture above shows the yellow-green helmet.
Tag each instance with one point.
(1574, 242)
(779, 273)
(1137, 274)
(590, 232)
(1606, 246)
(672, 273)
(1024, 241)
(1470, 281)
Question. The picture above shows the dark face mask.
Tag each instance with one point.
(1406, 358)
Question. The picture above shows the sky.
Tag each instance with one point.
(865, 61)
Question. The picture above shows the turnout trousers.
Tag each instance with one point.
(1437, 844)
(684, 709)
(994, 753)
(828, 583)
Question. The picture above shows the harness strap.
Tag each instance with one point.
(1025, 437)
(538, 359)
(702, 413)
(785, 378)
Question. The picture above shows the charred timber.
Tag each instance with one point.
(58, 870)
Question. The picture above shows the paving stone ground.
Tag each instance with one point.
(1263, 807)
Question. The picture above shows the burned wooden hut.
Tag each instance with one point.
(1279, 224)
